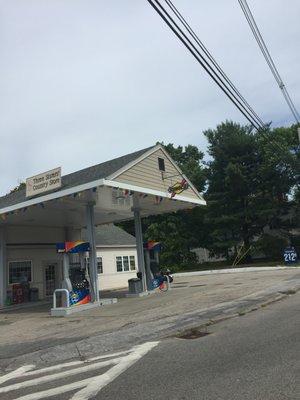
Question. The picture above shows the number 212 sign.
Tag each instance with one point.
(290, 255)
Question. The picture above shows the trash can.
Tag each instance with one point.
(135, 286)
(34, 294)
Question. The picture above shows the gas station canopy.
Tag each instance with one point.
(148, 179)
(147, 182)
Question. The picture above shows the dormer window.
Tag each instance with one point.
(161, 164)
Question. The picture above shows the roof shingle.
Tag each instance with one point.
(85, 175)
(111, 235)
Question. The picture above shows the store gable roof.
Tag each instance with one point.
(83, 176)
(110, 235)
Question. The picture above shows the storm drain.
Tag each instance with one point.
(193, 333)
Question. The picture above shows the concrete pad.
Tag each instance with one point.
(65, 311)
(142, 294)
(29, 305)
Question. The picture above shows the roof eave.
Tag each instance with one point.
(52, 196)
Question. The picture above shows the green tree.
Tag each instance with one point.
(189, 160)
(248, 183)
(21, 185)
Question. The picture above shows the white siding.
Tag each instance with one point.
(147, 174)
(111, 279)
(203, 255)
(40, 255)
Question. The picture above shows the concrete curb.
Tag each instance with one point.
(133, 334)
(204, 326)
(232, 271)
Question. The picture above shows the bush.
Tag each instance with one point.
(271, 246)
(295, 241)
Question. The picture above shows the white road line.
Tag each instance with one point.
(16, 374)
(56, 391)
(91, 386)
(120, 353)
(59, 375)
(74, 363)
(101, 381)
(54, 368)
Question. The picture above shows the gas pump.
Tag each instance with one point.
(151, 251)
(76, 279)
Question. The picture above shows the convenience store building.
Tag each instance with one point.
(55, 209)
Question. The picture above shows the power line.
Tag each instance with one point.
(210, 57)
(263, 47)
(226, 86)
(205, 64)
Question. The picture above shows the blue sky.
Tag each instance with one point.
(83, 81)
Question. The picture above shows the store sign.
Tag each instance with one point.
(73, 247)
(44, 182)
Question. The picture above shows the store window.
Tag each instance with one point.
(99, 264)
(19, 271)
(125, 263)
(161, 164)
(132, 263)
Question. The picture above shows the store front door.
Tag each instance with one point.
(50, 279)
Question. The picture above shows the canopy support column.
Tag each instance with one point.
(3, 269)
(90, 225)
(139, 241)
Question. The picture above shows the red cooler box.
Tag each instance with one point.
(17, 293)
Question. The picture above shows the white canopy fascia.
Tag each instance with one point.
(52, 196)
(91, 185)
(139, 189)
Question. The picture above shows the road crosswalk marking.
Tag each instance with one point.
(60, 375)
(16, 374)
(89, 387)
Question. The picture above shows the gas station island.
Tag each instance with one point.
(47, 231)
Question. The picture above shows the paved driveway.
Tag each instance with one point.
(188, 294)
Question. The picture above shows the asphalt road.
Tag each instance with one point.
(254, 356)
